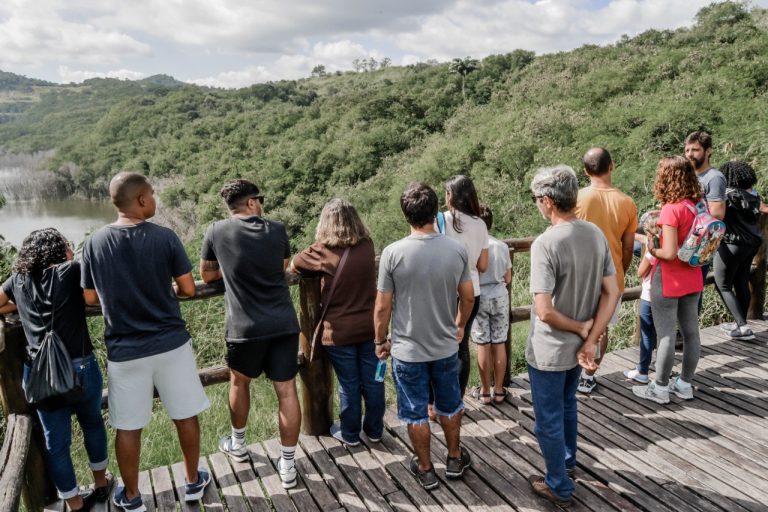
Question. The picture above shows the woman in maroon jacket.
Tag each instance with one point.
(347, 328)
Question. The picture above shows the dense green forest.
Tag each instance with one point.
(365, 135)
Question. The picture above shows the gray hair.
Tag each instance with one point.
(558, 183)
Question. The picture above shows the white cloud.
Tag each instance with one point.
(73, 75)
(33, 33)
(335, 56)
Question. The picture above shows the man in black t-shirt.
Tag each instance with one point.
(251, 254)
(128, 267)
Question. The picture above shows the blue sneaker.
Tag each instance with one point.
(195, 491)
(134, 505)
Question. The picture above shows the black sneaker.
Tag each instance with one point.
(101, 494)
(455, 466)
(587, 385)
(89, 501)
(428, 478)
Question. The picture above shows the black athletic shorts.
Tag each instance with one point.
(276, 357)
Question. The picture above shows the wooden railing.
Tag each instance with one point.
(21, 460)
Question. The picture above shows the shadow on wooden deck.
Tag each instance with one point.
(708, 454)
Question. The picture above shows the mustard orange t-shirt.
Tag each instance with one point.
(615, 213)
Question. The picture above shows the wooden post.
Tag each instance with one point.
(13, 459)
(38, 488)
(317, 375)
(757, 278)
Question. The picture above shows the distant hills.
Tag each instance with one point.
(365, 135)
(13, 82)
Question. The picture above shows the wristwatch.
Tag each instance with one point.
(377, 343)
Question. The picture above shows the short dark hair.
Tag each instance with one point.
(702, 138)
(486, 215)
(236, 193)
(125, 187)
(738, 174)
(597, 161)
(419, 204)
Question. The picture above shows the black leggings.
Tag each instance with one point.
(732, 263)
(464, 358)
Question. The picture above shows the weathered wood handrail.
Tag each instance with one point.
(13, 459)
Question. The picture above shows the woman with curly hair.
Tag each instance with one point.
(740, 244)
(675, 285)
(45, 288)
(347, 332)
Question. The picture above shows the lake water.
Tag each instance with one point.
(74, 218)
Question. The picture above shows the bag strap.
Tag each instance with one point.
(316, 334)
(441, 222)
(53, 299)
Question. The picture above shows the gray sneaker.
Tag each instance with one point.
(742, 333)
(650, 392)
(728, 326)
(287, 475)
(237, 453)
(455, 466)
(684, 392)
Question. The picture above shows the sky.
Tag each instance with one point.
(235, 43)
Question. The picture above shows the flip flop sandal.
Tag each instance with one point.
(483, 398)
(499, 398)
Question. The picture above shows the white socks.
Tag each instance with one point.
(287, 454)
(238, 437)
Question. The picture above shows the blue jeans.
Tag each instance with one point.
(554, 405)
(355, 367)
(647, 337)
(57, 428)
(413, 382)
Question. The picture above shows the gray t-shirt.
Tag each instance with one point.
(423, 272)
(568, 261)
(713, 184)
(492, 283)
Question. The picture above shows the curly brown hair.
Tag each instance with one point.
(676, 180)
(39, 250)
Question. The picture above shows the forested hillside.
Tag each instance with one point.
(365, 135)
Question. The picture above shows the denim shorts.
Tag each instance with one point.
(413, 381)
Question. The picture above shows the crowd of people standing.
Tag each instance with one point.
(437, 288)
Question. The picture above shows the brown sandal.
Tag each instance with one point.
(499, 398)
(483, 398)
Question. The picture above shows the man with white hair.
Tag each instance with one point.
(574, 296)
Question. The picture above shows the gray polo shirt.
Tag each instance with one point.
(568, 261)
(423, 272)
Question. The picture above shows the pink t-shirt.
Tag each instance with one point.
(678, 278)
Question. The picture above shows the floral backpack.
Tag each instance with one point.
(702, 241)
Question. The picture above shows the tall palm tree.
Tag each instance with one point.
(463, 67)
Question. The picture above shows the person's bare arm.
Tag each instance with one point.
(185, 285)
(482, 261)
(717, 209)
(286, 262)
(644, 267)
(508, 276)
(90, 296)
(668, 249)
(6, 306)
(546, 312)
(627, 247)
(382, 313)
(464, 311)
(609, 297)
(210, 271)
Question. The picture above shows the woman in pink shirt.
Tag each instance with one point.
(675, 285)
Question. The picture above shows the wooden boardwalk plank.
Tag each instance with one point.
(705, 455)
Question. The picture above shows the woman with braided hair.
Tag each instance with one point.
(740, 244)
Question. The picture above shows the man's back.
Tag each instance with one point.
(424, 272)
(251, 253)
(131, 268)
(615, 213)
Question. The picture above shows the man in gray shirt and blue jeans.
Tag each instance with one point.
(574, 296)
(419, 278)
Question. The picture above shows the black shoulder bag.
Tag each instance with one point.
(318, 328)
(52, 382)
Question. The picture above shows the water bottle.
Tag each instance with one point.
(381, 370)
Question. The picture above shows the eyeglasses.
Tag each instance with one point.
(536, 198)
(259, 199)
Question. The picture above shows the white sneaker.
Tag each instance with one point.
(287, 475)
(681, 390)
(633, 374)
(236, 452)
(652, 393)
(742, 333)
(728, 326)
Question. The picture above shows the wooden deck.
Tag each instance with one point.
(709, 454)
